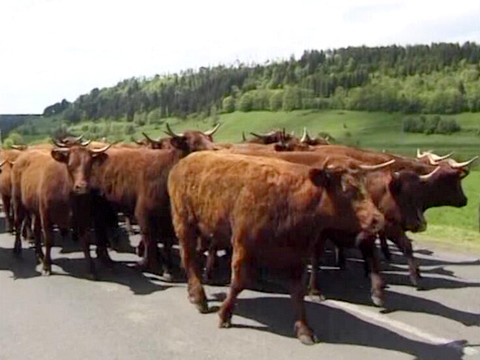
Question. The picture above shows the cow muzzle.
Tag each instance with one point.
(418, 224)
(81, 188)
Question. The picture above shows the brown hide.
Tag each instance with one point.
(442, 189)
(135, 182)
(6, 183)
(270, 210)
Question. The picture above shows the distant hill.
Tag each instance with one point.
(12, 121)
(441, 78)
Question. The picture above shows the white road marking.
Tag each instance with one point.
(400, 326)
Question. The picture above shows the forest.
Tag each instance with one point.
(441, 78)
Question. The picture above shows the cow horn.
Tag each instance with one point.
(429, 175)
(101, 150)
(212, 131)
(86, 142)
(258, 136)
(58, 144)
(458, 165)
(171, 133)
(18, 147)
(304, 136)
(149, 139)
(78, 138)
(2, 163)
(436, 157)
(136, 141)
(243, 136)
(376, 167)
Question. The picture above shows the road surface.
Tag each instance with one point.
(130, 315)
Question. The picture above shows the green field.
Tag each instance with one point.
(365, 129)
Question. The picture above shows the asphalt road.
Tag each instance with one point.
(130, 315)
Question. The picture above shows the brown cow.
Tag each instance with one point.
(135, 182)
(394, 193)
(8, 156)
(271, 211)
(54, 188)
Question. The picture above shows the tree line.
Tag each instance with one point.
(441, 78)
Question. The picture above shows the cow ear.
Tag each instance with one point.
(179, 142)
(60, 155)
(320, 177)
(99, 158)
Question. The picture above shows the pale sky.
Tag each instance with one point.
(56, 49)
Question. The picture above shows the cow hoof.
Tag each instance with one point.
(316, 295)
(377, 301)
(168, 277)
(307, 339)
(225, 324)
(202, 306)
(47, 272)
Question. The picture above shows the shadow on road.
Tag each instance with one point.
(335, 326)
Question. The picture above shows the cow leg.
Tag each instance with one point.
(190, 262)
(384, 246)
(340, 260)
(101, 239)
(128, 225)
(241, 268)
(167, 259)
(20, 214)
(210, 264)
(377, 284)
(313, 289)
(37, 233)
(405, 245)
(84, 235)
(48, 237)
(297, 293)
(26, 229)
(7, 208)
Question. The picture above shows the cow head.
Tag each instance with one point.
(79, 161)
(271, 137)
(307, 140)
(404, 205)
(192, 140)
(350, 203)
(160, 143)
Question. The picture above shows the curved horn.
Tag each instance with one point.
(86, 143)
(18, 147)
(78, 138)
(429, 175)
(304, 136)
(101, 150)
(171, 133)
(137, 142)
(58, 144)
(376, 167)
(212, 131)
(419, 154)
(463, 164)
(258, 136)
(439, 158)
(243, 136)
(149, 139)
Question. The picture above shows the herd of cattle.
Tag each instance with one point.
(271, 201)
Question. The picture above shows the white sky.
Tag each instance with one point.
(55, 49)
